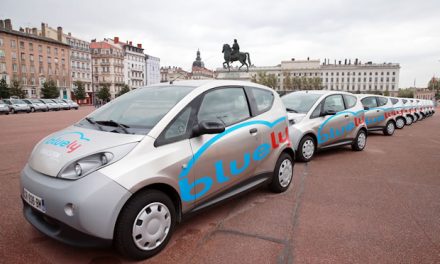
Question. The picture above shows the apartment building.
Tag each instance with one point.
(152, 70)
(32, 58)
(134, 63)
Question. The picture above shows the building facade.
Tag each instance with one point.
(80, 58)
(32, 58)
(339, 76)
(152, 70)
(134, 64)
(198, 70)
(174, 73)
(424, 93)
(107, 66)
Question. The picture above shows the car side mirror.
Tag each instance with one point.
(329, 112)
(366, 108)
(208, 127)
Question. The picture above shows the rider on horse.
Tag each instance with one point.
(235, 50)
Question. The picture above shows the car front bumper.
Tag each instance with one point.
(96, 201)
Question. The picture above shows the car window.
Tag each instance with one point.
(382, 101)
(227, 105)
(179, 126)
(404, 101)
(350, 100)
(394, 101)
(334, 103)
(300, 102)
(263, 99)
(369, 102)
(317, 111)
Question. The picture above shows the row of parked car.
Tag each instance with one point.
(12, 106)
(127, 173)
(324, 119)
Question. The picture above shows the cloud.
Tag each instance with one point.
(403, 32)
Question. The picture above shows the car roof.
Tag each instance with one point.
(207, 84)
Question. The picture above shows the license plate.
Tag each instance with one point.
(34, 201)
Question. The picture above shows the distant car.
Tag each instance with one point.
(324, 119)
(17, 105)
(72, 104)
(378, 113)
(408, 111)
(62, 104)
(4, 108)
(36, 105)
(399, 111)
(52, 106)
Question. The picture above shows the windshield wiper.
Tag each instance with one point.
(114, 123)
(93, 122)
(291, 110)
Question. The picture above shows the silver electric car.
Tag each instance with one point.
(130, 171)
(17, 105)
(51, 105)
(36, 105)
(379, 114)
(324, 119)
(4, 108)
(408, 111)
(399, 112)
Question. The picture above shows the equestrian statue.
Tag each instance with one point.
(234, 54)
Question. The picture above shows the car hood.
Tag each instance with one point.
(61, 148)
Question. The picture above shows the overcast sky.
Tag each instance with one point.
(398, 31)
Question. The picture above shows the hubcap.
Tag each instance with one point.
(390, 128)
(151, 226)
(362, 139)
(285, 173)
(308, 149)
(408, 120)
(400, 123)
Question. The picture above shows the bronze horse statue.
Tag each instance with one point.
(241, 56)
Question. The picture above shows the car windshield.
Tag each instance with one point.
(300, 102)
(139, 110)
(15, 101)
(35, 101)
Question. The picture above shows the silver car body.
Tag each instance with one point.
(62, 104)
(379, 112)
(71, 104)
(399, 111)
(91, 204)
(17, 105)
(51, 104)
(329, 130)
(36, 105)
(4, 108)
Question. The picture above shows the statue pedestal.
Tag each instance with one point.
(233, 74)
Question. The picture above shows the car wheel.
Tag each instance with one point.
(415, 118)
(306, 149)
(283, 174)
(145, 225)
(389, 129)
(400, 122)
(360, 141)
(32, 109)
(409, 120)
(13, 111)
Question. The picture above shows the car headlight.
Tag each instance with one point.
(86, 165)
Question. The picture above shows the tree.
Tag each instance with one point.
(50, 90)
(407, 93)
(434, 84)
(4, 89)
(125, 89)
(287, 82)
(265, 79)
(104, 93)
(79, 92)
(16, 89)
(386, 93)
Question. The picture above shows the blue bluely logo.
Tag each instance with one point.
(206, 182)
(60, 141)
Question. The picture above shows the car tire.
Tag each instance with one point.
(360, 141)
(283, 174)
(149, 209)
(13, 111)
(409, 120)
(32, 109)
(306, 149)
(389, 128)
(400, 122)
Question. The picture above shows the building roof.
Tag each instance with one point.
(101, 45)
(32, 36)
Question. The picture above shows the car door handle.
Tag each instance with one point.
(253, 131)
(346, 116)
(377, 111)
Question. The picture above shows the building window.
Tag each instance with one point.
(31, 46)
(13, 44)
(2, 67)
(21, 44)
(31, 57)
(1, 42)
(2, 54)
(23, 68)
(394, 79)
(48, 50)
(40, 48)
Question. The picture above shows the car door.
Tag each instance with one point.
(385, 110)
(332, 128)
(350, 106)
(372, 113)
(222, 160)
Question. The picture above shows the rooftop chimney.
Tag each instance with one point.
(28, 31)
(116, 40)
(2, 24)
(308, 58)
(21, 29)
(69, 34)
(8, 24)
(293, 59)
(356, 61)
(35, 31)
(140, 46)
(43, 30)
(60, 34)
(131, 43)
